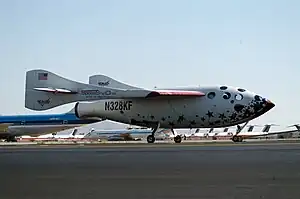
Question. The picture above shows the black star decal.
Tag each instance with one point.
(203, 119)
(197, 115)
(210, 114)
(193, 122)
(222, 116)
(171, 123)
(218, 122)
(163, 119)
(180, 119)
(247, 113)
(138, 115)
(233, 116)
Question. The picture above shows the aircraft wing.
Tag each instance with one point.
(158, 93)
(139, 93)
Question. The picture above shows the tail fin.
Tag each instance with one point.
(105, 81)
(45, 90)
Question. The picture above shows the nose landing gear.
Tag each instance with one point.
(236, 137)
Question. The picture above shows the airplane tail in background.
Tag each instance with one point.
(45, 90)
(105, 81)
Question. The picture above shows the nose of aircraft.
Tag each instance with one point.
(262, 105)
(269, 105)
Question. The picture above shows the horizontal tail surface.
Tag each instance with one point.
(105, 81)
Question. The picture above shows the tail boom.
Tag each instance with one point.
(45, 90)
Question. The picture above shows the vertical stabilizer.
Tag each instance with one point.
(105, 81)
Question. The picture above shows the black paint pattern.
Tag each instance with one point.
(193, 122)
(180, 119)
(222, 116)
(171, 123)
(210, 114)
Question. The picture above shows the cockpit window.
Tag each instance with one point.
(241, 89)
(239, 97)
(211, 95)
(223, 87)
(226, 95)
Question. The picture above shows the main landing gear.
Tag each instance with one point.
(151, 138)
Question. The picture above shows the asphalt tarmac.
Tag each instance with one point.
(243, 171)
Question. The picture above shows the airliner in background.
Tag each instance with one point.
(239, 136)
(126, 134)
(129, 134)
(12, 126)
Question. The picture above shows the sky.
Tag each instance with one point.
(250, 44)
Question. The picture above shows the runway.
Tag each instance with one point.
(268, 170)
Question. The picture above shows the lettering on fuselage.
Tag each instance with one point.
(97, 92)
(43, 102)
(118, 105)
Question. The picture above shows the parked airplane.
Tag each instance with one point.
(122, 134)
(53, 137)
(240, 136)
(198, 107)
(18, 125)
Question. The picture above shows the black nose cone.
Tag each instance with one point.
(269, 105)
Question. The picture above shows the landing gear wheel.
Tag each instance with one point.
(240, 139)
(177, 139)
(150, 139)
(237, 138)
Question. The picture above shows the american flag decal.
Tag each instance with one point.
(42, 76)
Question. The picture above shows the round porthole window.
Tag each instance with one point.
(238, 97)
(226, 95)
(223, 87)
(211, 95)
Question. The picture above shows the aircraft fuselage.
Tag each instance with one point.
(216, 109)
